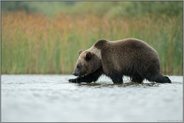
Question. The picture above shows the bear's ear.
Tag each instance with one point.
(88, 56)
(80, 51)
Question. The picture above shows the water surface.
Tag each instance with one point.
(53, 98)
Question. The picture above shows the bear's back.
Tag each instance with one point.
(124, 54)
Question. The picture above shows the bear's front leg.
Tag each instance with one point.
(74, 80)
(116, 78)
(79, 79)
(88, 78)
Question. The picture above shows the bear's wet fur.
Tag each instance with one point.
(131, 57)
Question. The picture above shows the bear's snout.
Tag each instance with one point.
(76, 72)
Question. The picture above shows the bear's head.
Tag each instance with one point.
(87, 62)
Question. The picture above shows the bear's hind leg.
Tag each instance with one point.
(159, 79)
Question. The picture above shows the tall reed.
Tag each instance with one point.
(36, 44)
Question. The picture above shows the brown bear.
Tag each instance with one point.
(131, 57)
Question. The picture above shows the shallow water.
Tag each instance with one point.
(53, 98)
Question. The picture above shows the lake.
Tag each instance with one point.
(52, 98)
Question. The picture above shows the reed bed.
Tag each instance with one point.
(37, 44)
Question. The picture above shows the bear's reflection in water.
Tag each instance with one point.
(129, 84)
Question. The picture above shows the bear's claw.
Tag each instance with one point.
(73, 80)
